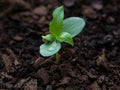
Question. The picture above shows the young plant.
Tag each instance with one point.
(60, 31)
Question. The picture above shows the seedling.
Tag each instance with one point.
(60, 31)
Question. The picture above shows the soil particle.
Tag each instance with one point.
(69, 3)
(21, 82)
(84, 77)
(65, 80)
(95, 86)
(31, 85)
(8, 63)
(18, 38)
(89, 12)
(97, 5)
(102, 60)
(36, 62)
(49, 87)
(42, 74)
(110, 20)
(41, 10)
(101, 79)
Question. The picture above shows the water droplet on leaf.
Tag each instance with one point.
(51, 49)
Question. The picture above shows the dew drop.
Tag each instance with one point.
(51, 49)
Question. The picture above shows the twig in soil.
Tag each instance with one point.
(6, 75)
(12, 56)
(8, 63)
(41, 62)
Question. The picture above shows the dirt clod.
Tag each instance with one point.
(42, 74)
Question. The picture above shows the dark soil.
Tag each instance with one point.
(92, 64)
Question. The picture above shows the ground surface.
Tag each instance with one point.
(92, 64)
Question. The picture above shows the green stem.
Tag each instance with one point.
(57, 57)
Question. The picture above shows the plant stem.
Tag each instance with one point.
(57, 57)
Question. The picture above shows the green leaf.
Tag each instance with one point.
(65, 37)
(56, 25)
(50, 48)
(47, 38)
(73, 25)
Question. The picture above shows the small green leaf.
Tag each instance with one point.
(47, 38)
(50, 48)
(56, 25)
(73, 25)
(65, 37)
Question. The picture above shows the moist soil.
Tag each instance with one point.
(92, 64)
